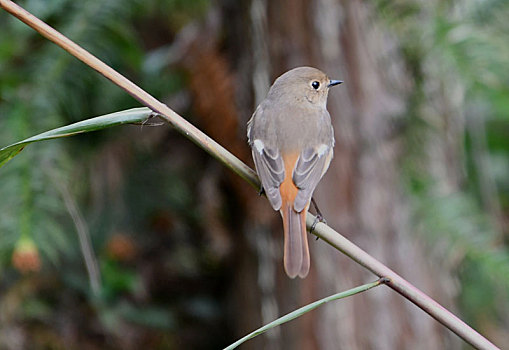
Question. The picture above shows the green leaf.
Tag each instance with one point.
(301, 311)
(134, 115)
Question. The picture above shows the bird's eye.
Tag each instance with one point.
(315, 84)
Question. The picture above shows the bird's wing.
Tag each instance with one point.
(268, 161)
(311, 165)
(271, 170)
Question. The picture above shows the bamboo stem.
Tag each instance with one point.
(400, 285)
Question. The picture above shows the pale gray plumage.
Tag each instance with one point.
(278, 134)
(306, 175)
(270, 168)
(291, 131)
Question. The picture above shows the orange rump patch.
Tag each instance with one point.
(288, 189)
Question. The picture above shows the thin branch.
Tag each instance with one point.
(323, 231)
(94, 275)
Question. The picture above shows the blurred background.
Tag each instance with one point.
(134, 238)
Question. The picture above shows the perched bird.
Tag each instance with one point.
(291, 137)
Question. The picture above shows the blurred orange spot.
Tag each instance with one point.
(121, 247)
(25, 257)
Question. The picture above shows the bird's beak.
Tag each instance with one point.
(333, 82)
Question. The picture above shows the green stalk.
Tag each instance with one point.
(301, 311)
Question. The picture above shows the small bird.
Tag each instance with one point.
(291, 137)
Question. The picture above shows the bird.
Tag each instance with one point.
(292, 139)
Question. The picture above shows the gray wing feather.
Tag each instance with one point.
(268, 162)
(307, 174)
(271, 170)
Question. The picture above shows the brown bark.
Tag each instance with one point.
(361, 195)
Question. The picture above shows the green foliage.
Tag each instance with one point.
(43, 87)
(457, 224)
(460, 48)
(116, 280)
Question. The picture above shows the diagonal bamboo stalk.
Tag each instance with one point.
(321, 230)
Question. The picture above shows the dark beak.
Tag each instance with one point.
(333, 82)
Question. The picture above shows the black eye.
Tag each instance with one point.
(315, 85)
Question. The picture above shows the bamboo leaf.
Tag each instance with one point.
(299, 312)
(129, 116)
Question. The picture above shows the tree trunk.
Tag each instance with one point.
(361, 195)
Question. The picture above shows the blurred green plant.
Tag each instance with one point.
(43, 87)
(459, 49)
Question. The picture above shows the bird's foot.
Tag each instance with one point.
(319, 217)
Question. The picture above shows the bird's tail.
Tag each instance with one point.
(296, 250)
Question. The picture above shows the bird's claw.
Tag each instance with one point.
(318, 218)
